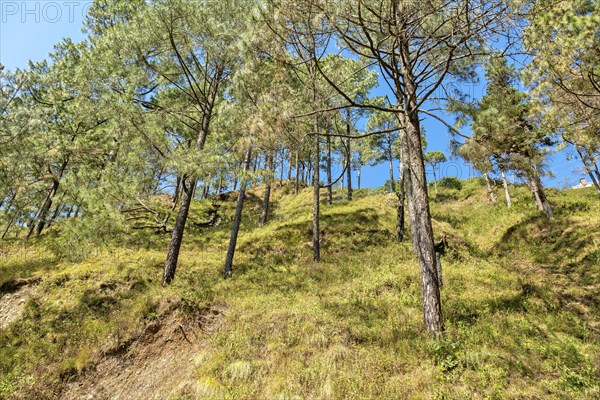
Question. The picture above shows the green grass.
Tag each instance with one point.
(520, 303)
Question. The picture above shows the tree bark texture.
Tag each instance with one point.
(237, 220)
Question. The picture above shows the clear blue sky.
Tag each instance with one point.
(30, 29)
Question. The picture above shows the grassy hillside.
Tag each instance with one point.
(521, 306)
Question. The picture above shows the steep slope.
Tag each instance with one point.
(520, 303)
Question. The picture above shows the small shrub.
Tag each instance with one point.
(450, 182)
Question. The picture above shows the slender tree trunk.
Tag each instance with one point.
(420, 222)
(265, 209)
(587, 165)
(540, 196)
(157, 186)
(187, 194)
(55, 214)
(438, 268)
(8, 226)
(400, 228)
(329, 188)
(489, 188)
(435, 181)
(440, 249)
(545, 204)
(43, 211)
(40, 215)
(290, 163)
(594, 167)
(316, 187)
(358, 176)
(391, 165)
(596, 170)
(349, 154)
(176, 193)
(220, 185)
(593, 162)
(186, 201)
(535, 193)
(297, 177)
(282, 168)
(506, 191)
(235, 180)
(237, 220)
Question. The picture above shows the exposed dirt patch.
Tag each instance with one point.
(13, 298)
(157, 365)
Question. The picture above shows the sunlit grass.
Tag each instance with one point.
(520, 303)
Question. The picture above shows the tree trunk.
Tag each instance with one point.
(290, 163)
(8, 226)
(400, 228)
(157, 186)
(358, 176)
(438, 268)
(349, 154)
(187, 194)
(489, 188)
(440, 249)
(593, 162)
(40, 215)
(269, 178)
(176, 193)
(297, 177)
(392, 184)
(587, 165)
(43, 211)
(235, 179)
(418, 204)
(540, 196)
(596, 170)
(282, 168)
(329, 188)
(506, 192)
(316, 188)
(55, 214)
(220, 185)
(237, 220)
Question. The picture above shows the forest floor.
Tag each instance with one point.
(521, 304)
